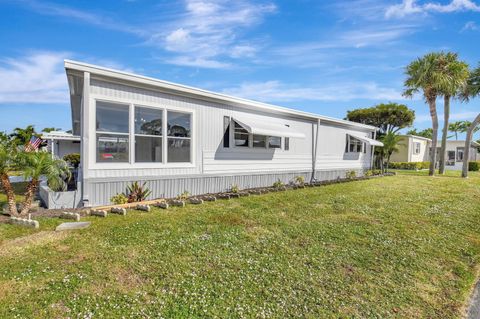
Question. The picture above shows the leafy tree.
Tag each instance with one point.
(21, 136)
(51, 129)
(390, 141)
(423, 76)
(36, 164)
(427, 133)
(457, 127)
(8, 162)
(471, 90)
(454, 74)
(389, 117)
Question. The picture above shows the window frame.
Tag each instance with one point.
(131, 164)
(362, 148)
(251, 146)
(415, 144)
(162, 137)
(457, 152)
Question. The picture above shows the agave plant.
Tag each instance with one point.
(137, 192)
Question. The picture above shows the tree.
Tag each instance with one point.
(51, 129)
(458, 127)
(37, 164)
(390, 141)
(390, 117)
(7, 164)
(21, 136)
(422, 75)
(471, 90)
(454, 74)
(427, 133)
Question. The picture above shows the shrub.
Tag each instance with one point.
(73, 159)
(137, 192)
(409, 165)
(300, 180)
(234, 189)
(183, 196)
(278, 184)
(351, 174)
(473, 166)
(119, 199)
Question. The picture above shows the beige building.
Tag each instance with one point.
(413, 148)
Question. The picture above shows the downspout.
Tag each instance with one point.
(373, 150)
(84, 137)
(314, 155)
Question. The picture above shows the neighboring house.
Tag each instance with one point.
(61, 143)
(413, 148)
(179, 138)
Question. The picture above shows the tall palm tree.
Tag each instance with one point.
(455, 74)
(390, 141)
(422, 75)
(7, 163)
(37, 164)
(457, 127)
(472, 89)
(21, 136)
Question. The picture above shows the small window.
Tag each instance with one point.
(226, 131)
(112, 127)
(460, 152)
(274, 142)
(287, 144)
(259, 141)
(179, 136)
(241, 136)
(148, 135)
(416, 148)
(354, 145)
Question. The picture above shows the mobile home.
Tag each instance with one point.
(178, 138)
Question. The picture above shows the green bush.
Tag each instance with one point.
(119, 199)
(473, 166)
(137, 192)
(234, 189)
(278, 184)
(409, 165)
(184, 196)
(351, 174)
(73, 159)
(300, 180)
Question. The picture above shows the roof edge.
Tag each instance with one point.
(122, 75)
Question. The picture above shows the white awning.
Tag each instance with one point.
(262, 127)
(366, 139)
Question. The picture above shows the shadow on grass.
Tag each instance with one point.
(448, 173)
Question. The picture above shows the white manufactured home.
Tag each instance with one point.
(178, 138)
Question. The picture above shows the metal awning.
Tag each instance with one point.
(262, 127)
(366, 139)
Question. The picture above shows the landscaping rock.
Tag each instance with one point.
(177, 202)
(195, 201)
(118, 210)
(234, 195)
(255, 192)
(209, 198)
(68, 215)
(99, 213)
(223, 196)
(145, 208)
(72, 226)
(243, 194)
(163, 205)
(25, 222)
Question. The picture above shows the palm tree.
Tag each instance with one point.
(390, 141)
(458, 127)
(7, 163)
(37, 164)
(472, 89)
(454, 75)
(422, 75)
(21, 136)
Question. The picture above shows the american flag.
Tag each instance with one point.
(33, 144)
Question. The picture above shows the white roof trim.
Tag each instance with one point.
(199, 93)
(256, 126)
(366, 139)
(60, 135)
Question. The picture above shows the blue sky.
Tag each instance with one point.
(320, 56)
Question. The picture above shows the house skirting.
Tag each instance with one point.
(98, 192)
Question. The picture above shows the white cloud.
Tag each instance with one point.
(409, 7)
(470, 25)
(275, 91)
(36, 78)
(198, 62)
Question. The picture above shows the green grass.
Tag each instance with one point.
(406, 246)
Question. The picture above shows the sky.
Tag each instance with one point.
(324, 57)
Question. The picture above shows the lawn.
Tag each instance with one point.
(406, 246)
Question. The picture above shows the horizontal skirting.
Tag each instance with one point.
(99, 191)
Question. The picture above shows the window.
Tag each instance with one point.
(179, 136)
(450, 158)
(287, 144)
(241, 136)
(226, 131)
(416, 148)
(148, 135)
(259, 141)
(274, 142)
(112, 129)
(460, 152)
(354, 145)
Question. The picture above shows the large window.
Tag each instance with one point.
(259, 141)
(179, 136)
(241, 136)
(354, 145)
(112, 129)
(148, 135)
(274, 142)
